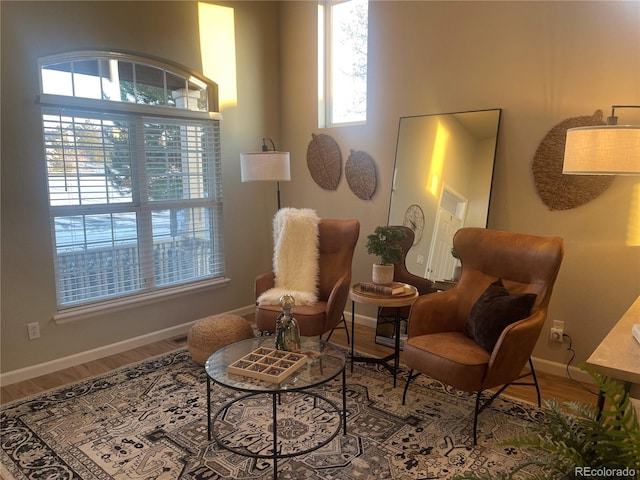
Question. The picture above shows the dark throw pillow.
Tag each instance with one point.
(494, 311)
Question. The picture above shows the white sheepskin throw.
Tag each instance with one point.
(295, 257)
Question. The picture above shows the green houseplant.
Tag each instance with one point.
(382, 243)
(575, 442)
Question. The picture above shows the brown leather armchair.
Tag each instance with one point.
(337, 242)
(437, 344)
(387, 315)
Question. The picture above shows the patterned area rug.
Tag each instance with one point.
(148, 421)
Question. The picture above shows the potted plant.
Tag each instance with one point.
(382, 243)
(574, 441)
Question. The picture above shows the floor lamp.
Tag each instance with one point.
(266, 166)
(610, 149)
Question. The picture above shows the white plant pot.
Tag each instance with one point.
(382, 274)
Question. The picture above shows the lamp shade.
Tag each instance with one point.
(602, 150)
(265, 166)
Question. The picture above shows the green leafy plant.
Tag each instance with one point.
(380, 243)
(574, 442)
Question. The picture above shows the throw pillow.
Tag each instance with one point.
(494, 311)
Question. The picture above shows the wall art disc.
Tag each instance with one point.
(557, 190)
(360, 171)
(324, 161)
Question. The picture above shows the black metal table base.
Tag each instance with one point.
(384, 361)
(275, 454)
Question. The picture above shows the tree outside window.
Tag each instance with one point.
(343, 28)
(133, 165)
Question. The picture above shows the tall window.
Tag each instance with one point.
(133, 161)
(342, 61)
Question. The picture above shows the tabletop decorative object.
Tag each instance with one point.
(268, 364)
(383, 243)
(287, 331)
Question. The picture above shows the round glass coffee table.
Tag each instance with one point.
(297, 411)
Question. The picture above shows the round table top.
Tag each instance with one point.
(324, 362)
(362, 296)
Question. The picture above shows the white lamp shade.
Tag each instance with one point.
(602, 150)
(265, 166)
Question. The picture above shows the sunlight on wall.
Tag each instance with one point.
(437, 160)
(633, 229)
(218, 50)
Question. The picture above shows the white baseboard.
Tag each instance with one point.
(370, 322)
(45, 368)
(560, 370)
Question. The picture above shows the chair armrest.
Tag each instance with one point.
(264, 282)
(424, 285)
(513, 349)
(435, 312)
(337, 301)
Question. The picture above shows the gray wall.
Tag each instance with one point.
(541, 62)
(164, 29)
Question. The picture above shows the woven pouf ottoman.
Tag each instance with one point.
(211, 333)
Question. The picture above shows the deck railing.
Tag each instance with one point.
(107, 272)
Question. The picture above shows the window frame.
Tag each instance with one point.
(212, 201)
(326, 87)
(80, 55)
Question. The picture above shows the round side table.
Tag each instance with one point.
(358, 295)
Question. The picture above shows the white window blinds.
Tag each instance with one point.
(135, 202)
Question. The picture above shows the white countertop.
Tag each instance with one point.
(618, 355)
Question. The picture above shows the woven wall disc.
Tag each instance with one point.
(559, 191)
(360, 171)
(324, 161)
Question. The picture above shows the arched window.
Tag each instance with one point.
(132, 151)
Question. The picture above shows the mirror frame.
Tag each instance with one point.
(453, 140)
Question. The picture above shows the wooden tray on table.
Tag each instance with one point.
(268, 364)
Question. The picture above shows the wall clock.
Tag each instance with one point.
(414, 219)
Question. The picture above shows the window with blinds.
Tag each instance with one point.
(134, 183)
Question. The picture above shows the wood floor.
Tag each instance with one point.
(552, 387)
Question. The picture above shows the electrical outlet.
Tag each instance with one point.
(34, 330)
(557, 331)
(555, 335)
